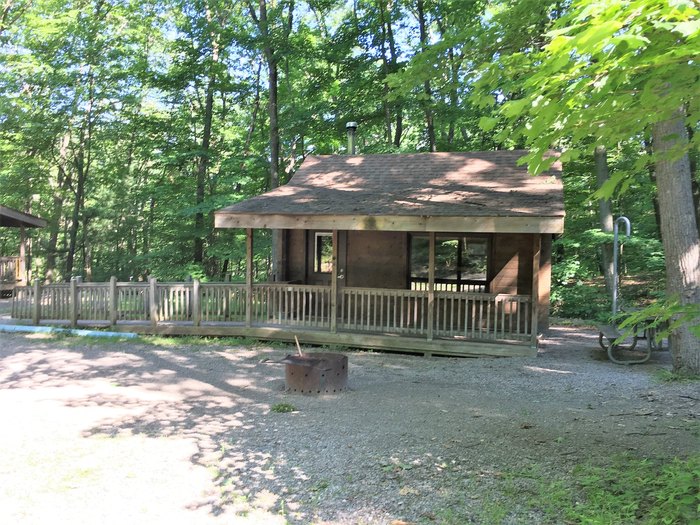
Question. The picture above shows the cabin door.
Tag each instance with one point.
(319, 255)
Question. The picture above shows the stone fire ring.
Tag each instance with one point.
(316, 373)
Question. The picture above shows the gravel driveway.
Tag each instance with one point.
(158, 431)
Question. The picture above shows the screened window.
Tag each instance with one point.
(323, 252)
(461, 263)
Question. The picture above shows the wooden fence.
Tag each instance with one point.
(414, 313)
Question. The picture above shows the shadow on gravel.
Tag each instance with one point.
(414, 434)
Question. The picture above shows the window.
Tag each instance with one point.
(323, 252)
(461, 263)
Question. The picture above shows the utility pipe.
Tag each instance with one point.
(628, 229)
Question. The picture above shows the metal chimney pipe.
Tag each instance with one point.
(351, 127)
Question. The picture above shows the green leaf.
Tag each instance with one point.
(487, 123)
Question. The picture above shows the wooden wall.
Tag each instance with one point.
(511, 264)
(296, 255)
(377, 259)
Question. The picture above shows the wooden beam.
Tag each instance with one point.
(249, 277)
(536, 248)
(334, 284)
(417, 223)
(431, 285)
(15, 218)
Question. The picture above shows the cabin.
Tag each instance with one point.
(13, 269)
(436, 253)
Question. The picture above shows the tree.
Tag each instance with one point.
(610, 71)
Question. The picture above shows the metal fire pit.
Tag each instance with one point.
(318, 373)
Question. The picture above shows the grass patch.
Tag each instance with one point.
(628, 490)
(668, 376)
(282, 408)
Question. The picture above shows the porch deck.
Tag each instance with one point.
(454, 323)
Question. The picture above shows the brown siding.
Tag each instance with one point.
(296, 255)
(511, 264)
(377, 259)
(545, 281)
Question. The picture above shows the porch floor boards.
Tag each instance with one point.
(398, 342)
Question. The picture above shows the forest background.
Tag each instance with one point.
(126, 123)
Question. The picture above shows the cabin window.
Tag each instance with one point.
(461, 263)
(323, 252)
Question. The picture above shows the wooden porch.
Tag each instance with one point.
(427, 322)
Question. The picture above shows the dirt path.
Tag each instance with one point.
(145, 432)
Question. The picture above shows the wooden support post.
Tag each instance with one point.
(153, 300)
(249, 277)
(536, 247)
(431, 286)
(196, 304)
(75, 300)
(113, 300)
(36, 311)
(22, 269)
(334, 284)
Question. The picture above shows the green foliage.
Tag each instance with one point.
(627, 490)
(633, 490)
(668, 376)
(663, 317)
(600, 60)
(282, 408)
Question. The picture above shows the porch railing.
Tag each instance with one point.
(455, 315)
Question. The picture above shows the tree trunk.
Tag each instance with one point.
(57, 213)
(606, 218)
(202, 167)
(277, 272)
(680, 235)
(75, 218)
(430, 127)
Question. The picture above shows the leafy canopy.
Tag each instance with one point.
(608, 70)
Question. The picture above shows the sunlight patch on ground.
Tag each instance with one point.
(547, 370)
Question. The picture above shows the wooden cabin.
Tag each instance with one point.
(445, 253)
(13, 268)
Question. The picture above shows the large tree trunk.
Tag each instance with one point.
(606, 217)
(202, 167)
(680, 236)
(261, 20)
(429, 124)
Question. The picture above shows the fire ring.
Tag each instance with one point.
(317, 373)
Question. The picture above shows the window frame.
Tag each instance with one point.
(459, 282)
(318, 254)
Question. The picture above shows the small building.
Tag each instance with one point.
(13, 269)
(445, 253)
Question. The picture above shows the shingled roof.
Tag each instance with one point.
(12, 218)
(467, 191)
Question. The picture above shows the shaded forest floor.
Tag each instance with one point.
(185, 431)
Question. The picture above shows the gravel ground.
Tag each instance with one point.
(173, 431)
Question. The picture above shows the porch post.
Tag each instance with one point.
(113, 301)
(249, 277)
(431, 285)
(21, 271)
(36, 310)
(153, 300)
(334, 284)
(536, 248)
(75, 300)
(196, 304)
